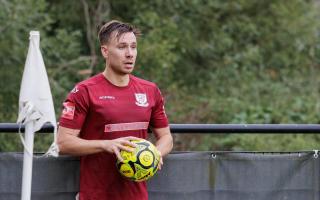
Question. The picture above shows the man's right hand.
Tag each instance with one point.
(116, 145)
(70, 143)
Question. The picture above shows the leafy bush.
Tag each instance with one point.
(237, 61)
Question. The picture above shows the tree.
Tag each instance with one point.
(238, 61)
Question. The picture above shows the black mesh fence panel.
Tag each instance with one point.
(185, 176)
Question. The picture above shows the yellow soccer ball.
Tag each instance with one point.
(141, 164)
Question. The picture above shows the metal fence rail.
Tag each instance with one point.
(205, 128)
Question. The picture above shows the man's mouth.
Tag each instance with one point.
(129, 64)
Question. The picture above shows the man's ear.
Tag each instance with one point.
(104, 51)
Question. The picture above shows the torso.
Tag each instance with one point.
(111, 112)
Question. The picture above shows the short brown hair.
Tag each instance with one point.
(115, 26)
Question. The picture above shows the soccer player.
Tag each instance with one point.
(103, 113)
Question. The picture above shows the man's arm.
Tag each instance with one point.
(70, 143)
(164, 141)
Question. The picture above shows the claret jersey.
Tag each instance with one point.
(101, 110)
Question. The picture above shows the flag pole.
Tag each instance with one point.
(27, 162)
(35, 108)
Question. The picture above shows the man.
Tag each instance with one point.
(103, 113)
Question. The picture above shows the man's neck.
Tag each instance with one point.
(116, 79)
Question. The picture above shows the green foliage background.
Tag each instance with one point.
(236, 61)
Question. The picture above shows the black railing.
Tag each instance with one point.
(205, 128)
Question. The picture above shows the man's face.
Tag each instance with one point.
(121, 53)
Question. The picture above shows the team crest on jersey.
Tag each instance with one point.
(141, 99)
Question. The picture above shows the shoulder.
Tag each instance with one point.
(143, 82)
(92, 81)
(148, 86)
(83, 87)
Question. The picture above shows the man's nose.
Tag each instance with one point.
(129, 53)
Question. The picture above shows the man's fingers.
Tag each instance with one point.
(132, 138)
(128, 143)
(160, 163)
(161, 160)
(126, 148)
(116, 151)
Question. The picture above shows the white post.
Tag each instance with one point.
(27, 162)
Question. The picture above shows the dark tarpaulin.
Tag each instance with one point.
(52, 178)
(185, 176)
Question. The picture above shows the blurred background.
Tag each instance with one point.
(215, 61)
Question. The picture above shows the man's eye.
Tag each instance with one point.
(121, 47)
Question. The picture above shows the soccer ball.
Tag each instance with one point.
(141, 164)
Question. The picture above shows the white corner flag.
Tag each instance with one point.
(35, 108)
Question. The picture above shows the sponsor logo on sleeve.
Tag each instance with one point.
(68, 110)
(141, 99)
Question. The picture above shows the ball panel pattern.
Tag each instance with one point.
(142, 163)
